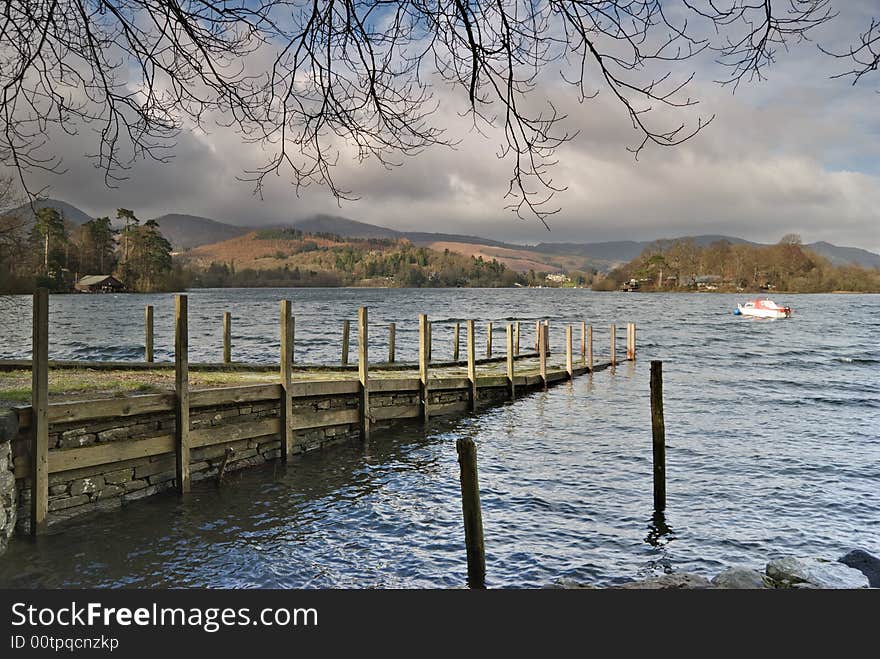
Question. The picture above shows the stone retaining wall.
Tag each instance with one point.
(108, 486)
(126, 452)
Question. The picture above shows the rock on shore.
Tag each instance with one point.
(865, 563)
(858, 569)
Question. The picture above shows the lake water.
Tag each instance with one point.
(773, 431)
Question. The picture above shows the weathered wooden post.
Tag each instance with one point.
(472, 364)
(633, 342)
(510, 350)
(286, 378)
(547, 336)
(424, 360)
(542, 353)
(569, 367)
(148, 331)
(227, 337)
(516, 339)
(537, 335)
(392, 330)
(489, 339)
(629, 341)
(455, 342)
(590, 347)
(473, 516)
(613, 345)
(39, 467)
(363, 373)
(658, 430)
(181, 389)
(346, 327)
(583, 343)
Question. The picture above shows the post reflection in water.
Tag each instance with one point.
(659, 532)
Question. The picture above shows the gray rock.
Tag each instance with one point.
(790, 571)
(669, 581)
(742, 578)
(865, 563)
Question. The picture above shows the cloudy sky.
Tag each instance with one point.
(798, 152)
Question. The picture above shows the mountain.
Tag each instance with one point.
(344, 227)
(845, 255)
(71, 213)
(187, 231)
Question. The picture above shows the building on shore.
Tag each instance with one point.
(99, 284)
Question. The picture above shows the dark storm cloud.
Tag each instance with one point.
(796, 153)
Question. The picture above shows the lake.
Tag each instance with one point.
(773, 431)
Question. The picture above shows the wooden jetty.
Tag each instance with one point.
(75, 457)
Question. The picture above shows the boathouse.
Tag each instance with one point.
(99, 284)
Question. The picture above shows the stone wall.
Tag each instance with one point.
(105, 487)
(244, 430)
(7, 491)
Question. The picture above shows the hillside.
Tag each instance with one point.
(516, 260)
(25, 212)
(290, 257)
(685, 265)
(845, 255)
(187, 231)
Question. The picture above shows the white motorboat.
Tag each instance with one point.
(762, 308)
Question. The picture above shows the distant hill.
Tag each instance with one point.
(845, 255)
(344, 227)
(70, 212)
(187, 231)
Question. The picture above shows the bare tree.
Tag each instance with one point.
(308, 80)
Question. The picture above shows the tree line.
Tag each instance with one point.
(50, 251)
(786, 266)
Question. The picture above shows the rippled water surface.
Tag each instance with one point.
(773, 432)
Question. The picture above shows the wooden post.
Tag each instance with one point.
(148, 331)
(568, 362)
(628, 341)
(473, 516)
(40, 413)
(547, 336)
(472, 364)
(590, 347)
(286, 377)
(227, 337)
(424, 360)
(542, 353)
(345, 331)
(658, 430)
(537, 335)
(392, 330)
(614, 344)
(489, 339)
(363, 373)
(181, 388)
(455, 342)
(510, 350)
(516, 339)
(633, 341)
(583, 343)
